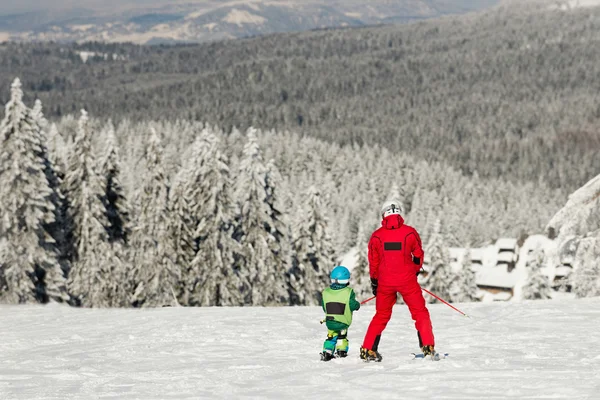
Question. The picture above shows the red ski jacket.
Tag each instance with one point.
(395, 253)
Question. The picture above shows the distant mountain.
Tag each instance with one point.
(151, 22)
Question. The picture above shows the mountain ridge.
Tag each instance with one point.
(201, 21)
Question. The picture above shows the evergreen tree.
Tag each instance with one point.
(186, 199)
(466, 285)
(155, 277)
(212, 278)
(59, 226)
(280, 243)
(397, 193)
(585, 280)
(313, 252)
(96, 278)
(56, 151)
(361, 278)
(115, 202)
(440, 276)
(262, 266)
(182, 233)
(29, 263)
(538, 284)
(54, 172)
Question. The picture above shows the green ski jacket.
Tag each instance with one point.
(338, 304)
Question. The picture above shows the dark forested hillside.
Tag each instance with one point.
(508, 92)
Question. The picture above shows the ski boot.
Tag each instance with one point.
(370, 355)
(341, 354)
(428, 350)
(326, 356)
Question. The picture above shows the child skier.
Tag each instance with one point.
(338, 303)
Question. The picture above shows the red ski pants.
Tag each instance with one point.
(384, 302)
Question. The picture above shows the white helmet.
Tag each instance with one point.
(392, 207)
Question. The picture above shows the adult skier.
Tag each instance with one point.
(395, 259)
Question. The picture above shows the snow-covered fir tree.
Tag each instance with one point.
(465, 289)
(154, 277)
(212, 279)
(361, 279)
(29, 260)
(280, 243)
(585, 280)
(115, 201)
(262, 267)
(537, 286)
(57, 151)
(440, 277)
(397, 193)
(313, 255)
(182, 233)
(59, 227)
(97, 276)
(186, 203)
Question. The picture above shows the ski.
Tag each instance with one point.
(435, 357)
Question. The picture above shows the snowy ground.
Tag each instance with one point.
(545, 349)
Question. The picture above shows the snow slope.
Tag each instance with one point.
(507, 350)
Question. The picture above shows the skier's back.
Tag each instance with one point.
(395, 259)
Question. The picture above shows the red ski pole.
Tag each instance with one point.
(367, 300)
(445, 302)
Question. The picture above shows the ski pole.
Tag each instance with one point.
(445, 302)
(367, 300)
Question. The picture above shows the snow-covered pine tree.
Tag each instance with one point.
(155, 278)
(425, 210)
(261, 268)
(212, 280)
(59, 226)
(440, 277)
(361, 279)
(56, 151)
(115, 202)
(396, 193)
(186, 203)
(96, 278)
(182, 233)
(280, 243)
(537, 286)
(29, 263)
(466, 285)
(313, 255)
(585, 280)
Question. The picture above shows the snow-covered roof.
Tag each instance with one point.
(507, 257)
(562, 271)
(506, 244)
(500, 296)
(497, 276)
(477, 254)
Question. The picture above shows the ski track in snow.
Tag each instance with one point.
(534, 350)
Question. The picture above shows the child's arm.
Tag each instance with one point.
(354, 305)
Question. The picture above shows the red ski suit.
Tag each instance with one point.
(395, 258)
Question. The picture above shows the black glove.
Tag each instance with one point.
(374, 286)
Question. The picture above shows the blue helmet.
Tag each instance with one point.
(340, 275)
